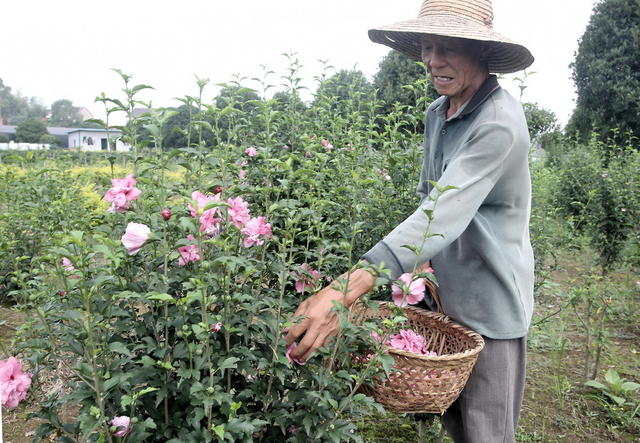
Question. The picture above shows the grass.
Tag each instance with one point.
(557, 406)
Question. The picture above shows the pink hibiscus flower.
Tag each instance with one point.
(209, 219)
(238, 212)
(135, 236)
(122, 425)
(328, 146)
(14, 383)
(256, 230)
(68, 266)
(251, 151)
(407, 291)
(292, 360)
(189, 253)
(407, 340)
(122, 193)
(304, 281)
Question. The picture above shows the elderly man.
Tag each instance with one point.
(476, 139)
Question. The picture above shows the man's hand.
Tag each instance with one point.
(319, 320)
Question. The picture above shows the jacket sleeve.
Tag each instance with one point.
(473, 171)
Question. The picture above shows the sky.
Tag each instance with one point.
(67, 48)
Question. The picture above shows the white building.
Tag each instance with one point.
(82, 139)
(89, 139)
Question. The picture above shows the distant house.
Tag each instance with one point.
(90, 139)
(82, 139)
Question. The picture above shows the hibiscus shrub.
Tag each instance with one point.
(170, 323)
(168, 311)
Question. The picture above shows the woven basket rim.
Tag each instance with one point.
(446, 320)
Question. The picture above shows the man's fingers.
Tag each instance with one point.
(296, 331)
(310, 337)
(320, 341)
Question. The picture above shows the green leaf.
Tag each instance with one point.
(612, 377)
(149, 423)
(161, 297)
(219, 431)
(629, 386)
(387, 362)
(138, 88)
(619, 400)
(596, 384)
(125, 401)
(411, 248)
(215, 205)
(144, 391)
(120, 348)
(229, 363)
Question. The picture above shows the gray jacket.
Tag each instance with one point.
(484, 260)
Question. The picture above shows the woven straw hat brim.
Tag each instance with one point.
(505, 55)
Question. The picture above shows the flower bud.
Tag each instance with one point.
(166, 214)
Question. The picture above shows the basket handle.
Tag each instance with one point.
(433, 290)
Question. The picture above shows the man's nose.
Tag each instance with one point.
(433, 58)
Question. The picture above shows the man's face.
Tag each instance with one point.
(454, 65)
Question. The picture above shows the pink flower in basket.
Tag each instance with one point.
(407, 291)
(407, 340)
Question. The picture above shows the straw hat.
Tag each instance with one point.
(470, 19)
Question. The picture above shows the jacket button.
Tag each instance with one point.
(443, 132)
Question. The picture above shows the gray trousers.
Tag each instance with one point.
(488, 408)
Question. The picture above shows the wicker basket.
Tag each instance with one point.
(423, 384)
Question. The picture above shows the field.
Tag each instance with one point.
(157, 284)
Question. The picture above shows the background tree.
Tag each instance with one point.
(342, 87)
(64, 114)
(30, 131)
(48, 139)
(540, 121)
(236, 105)
(15, 108)
(175, 130)
(606, 72)
(343, 104)
(395, 71)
